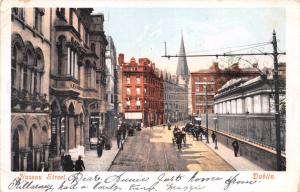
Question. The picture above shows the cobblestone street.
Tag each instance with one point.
(153, 150)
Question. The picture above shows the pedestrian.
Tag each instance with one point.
(79, 165)
(69, 166)
(183, 133)
(124, 129)
(179, 138)
(213, 136)
(119, 137)
(235, 146)
(100, 145)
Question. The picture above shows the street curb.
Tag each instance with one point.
(116, 155)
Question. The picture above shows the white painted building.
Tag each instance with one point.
(242, 96)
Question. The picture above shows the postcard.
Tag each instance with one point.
(150, 96)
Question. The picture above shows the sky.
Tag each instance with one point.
(141, 32)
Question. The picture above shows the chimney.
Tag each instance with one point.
(121, 59)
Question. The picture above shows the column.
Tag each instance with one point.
(92, 77)
(86, 131)
(32, 83)
(12, 164)
(81, 134)
(94, 80)
(58, 136)
(67, 128)
(71, 64)
(33, 158)
(39, 84)
(72, 133)
(24, 161)
(68, 64)
(76, 66)
(46, 155)
(21, 79)
(37, 157)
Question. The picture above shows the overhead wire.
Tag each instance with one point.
(231, 47)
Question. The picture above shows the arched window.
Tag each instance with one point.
(28, 67)
(14, 67)
(61, 68)
(17, 47)
(38, 71)
(26, 72)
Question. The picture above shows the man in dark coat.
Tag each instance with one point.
(235, 146)
(69, 166)
(213, 136)
(119, 137)
(179, 138)
(79, 165)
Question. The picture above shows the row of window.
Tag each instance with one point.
(27, 66)
(152, 92)
(203, 79)
(137, 104)
(209, 88)
(138, 80)
(61, 12)
(111, 98)
(38, 17)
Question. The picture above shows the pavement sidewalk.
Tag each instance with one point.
(239, 163)
(94, 163)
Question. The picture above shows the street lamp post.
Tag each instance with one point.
(216, 139)
(206, 114)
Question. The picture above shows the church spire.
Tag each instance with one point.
(182, 67)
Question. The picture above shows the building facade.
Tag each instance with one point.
(205, 83)
(77, 80)
(142, 86)
(169, 97)
(111, 96)
(58, 84)
(30, 70)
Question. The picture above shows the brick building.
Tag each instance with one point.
(142, 86)
(208, 81)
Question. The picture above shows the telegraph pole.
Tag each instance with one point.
(276, 100)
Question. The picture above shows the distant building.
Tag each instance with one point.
(174, 99)
(212, 79)
(111, 95)
(142, 86)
